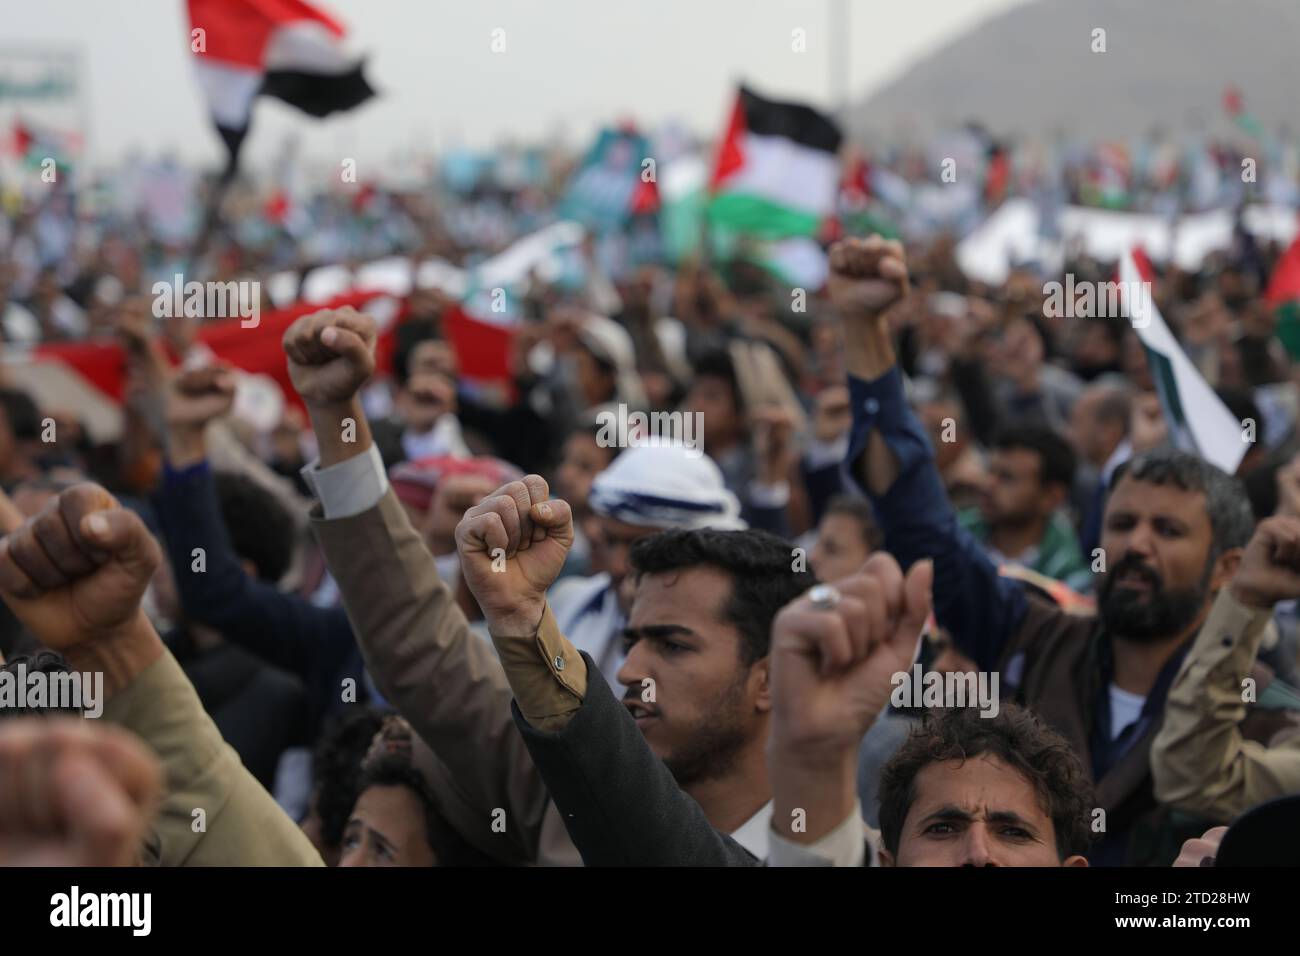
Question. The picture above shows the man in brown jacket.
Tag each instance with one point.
(1172, 537)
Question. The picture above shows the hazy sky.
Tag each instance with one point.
(568, 66)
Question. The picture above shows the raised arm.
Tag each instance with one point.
(417, 644)
(619, 802)
(1200, 761)
(891, 458)
(74, 575)
(214, 589)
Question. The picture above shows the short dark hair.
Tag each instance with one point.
(760, 565)
(407, 339)
(1018, 738)
(1055, 457)
(24, 417)
(394, 770)
(860, 510)
(336, 768)
(1231, 520)
(717, 363)
(1116, 402)
(261, 529)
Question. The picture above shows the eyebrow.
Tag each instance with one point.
(653, 631)
(998, 816)
(375, 834)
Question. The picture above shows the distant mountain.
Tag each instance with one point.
(1167, 62)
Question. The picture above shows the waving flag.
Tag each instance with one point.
(282, 48)
(777, 170)
(1198, 420)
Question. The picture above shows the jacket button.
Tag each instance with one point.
(559, 663)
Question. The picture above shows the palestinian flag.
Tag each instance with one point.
(282, 48)
(1283, 296)
(777, 171)
(1198, 420)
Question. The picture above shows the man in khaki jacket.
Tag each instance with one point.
(75, 575)
(1201, 760)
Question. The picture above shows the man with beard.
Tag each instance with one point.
(1172, 536)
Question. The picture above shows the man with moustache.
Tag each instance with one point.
(1172, 535)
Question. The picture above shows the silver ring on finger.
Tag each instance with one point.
(825, 597)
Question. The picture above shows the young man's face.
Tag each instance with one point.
(704, 706)
(1156, 540)
(1016, 494)
(840, 549)
(387, 828)
(977, 812)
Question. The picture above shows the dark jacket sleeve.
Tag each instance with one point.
(282, 629)
(621, 805)
(981, 609)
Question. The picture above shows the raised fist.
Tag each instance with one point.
(512, 546)
(196, 396)
(833, 663)
(867, 276)
(75, 573)
(331, 354)
(74, 793)
(1270, 569)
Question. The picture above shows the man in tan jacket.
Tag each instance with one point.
(1201, 761)
(74, 575)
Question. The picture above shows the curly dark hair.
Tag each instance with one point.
(336, 768)
(1017, 737)
(760, 565)
(395, 770)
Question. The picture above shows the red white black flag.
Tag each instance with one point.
(283, 48)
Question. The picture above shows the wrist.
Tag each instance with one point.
(120, 654)
(520, 621)
(868, 348)
(342, 431)
(1249, 597)
(810, 799)
(186, 445)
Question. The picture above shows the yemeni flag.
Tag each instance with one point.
(1198, 420)
(283, 48)
(1283, 296)
(777, 170)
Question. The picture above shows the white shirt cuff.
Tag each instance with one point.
(351, 486)
(846, 845)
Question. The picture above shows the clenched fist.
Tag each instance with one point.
(1270, 569)
(74, 793)
(75, 573)
(198, 395)
(512, 546)
(331, 354)
(867, 276)
(832, 667)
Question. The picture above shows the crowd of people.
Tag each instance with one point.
(416, 624)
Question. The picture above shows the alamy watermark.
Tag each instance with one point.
(1098, 300)
(42, 690)
(210, 300)
(916, 688)
(624, 429)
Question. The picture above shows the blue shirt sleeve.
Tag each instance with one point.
(981, 609)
